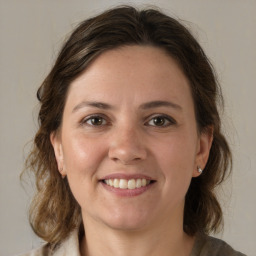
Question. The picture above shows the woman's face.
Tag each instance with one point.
(128, 142)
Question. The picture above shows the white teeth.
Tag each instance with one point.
(123, 184)
(127, 184)
(131, 184)
(116, 183)
(138, 183)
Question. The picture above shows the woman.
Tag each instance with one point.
(129, 148)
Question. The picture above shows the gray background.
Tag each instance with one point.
(31, 34)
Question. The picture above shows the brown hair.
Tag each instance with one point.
(54, 212)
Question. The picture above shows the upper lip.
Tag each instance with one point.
(126, 176)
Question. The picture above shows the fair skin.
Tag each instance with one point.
(128, 119)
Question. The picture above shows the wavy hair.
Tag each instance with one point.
(54, 212)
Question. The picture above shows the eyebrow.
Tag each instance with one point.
(144, 106)
(94, 104)
(160, 103)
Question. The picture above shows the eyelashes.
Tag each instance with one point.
(157, 120)
(95, 121)
(161, 121)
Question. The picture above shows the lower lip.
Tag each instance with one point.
(127, 192)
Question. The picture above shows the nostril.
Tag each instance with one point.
(125, 148)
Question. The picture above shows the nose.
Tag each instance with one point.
(127, 146)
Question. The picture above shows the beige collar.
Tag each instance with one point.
(69, 247)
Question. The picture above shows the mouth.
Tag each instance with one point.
(128, 183)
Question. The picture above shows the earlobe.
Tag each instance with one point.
(204, 147)
(57, 147)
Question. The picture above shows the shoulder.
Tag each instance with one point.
(69, 247)
(210, 246)
(42, 251)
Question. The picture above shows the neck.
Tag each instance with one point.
(165, 240)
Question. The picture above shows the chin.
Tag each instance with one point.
(126, 226)
(128, 221)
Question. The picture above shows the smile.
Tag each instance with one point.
(127, 184)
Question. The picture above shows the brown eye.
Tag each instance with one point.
(161, 121)
(95, 121)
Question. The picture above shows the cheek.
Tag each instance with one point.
(82, 158)
(82, 155)
(178, 150)
(176, 158)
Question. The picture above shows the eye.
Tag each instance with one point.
(95, 121)
(161, 121)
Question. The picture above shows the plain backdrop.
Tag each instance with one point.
(31, 32)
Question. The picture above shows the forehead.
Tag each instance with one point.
(134, 73)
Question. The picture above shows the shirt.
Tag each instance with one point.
(204, 246)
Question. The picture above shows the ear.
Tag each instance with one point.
(57, 146)
(203, 150)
